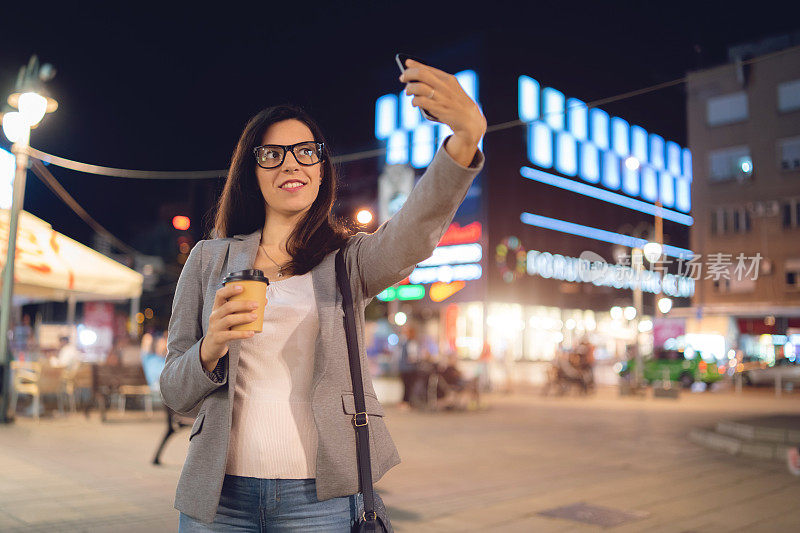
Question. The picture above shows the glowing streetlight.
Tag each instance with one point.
(631, 163)
(664, 305)
(629, 312)
(652, 251)
(15, 128)
(364, 216)
(616, 312)
(400, 318)
(32, 103)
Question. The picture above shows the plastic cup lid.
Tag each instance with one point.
(252, 274)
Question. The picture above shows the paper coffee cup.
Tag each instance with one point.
(254, 286)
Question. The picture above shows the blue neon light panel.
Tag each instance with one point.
(630, 180)
(385, 116)
(469, 82)
(649, 184)
(657, 151)
(686, 169)
(410, 116)
(422, 146)
(563, 133)
(566, 154)
(619, 130)
(683, 195)
(553, 103)
(397, 122)
(540, 144)
(528, 105)
(578, 119)
(673, 158)
(667, 189)
(598, 121)
(590, 162)
(639, 143)
(610, 170)
(397, 151)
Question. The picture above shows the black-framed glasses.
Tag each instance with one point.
(272, 155)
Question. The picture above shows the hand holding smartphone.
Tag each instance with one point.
(401, 63)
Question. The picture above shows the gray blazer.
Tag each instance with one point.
(374, 262)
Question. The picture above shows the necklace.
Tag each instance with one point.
(280, 268)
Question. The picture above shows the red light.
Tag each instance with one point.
(456, 234)
(180, 222)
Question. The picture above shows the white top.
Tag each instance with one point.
(273, 434)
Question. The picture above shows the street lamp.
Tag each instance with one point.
(364, 216)
(32, 103)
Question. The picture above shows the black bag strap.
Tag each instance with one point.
(360, 419)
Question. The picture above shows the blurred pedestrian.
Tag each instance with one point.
(268, 431)
(484, 367)
(409, 353)
(21, 333)
(68, 354)
(456, 385)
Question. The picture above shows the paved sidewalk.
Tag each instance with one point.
(493, 470)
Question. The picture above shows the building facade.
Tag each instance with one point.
(744, 134)
(541, 253)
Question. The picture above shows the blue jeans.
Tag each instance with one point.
(277, 505)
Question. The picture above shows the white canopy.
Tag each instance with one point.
(50, 266)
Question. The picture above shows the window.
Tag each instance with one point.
(714, 222)
(789, 95)
(726, 109)
(790, 153)
(797, 213)
(787, 215)
(792, 269)
(730, 163)
(737, 225)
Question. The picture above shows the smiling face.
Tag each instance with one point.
(290, 189)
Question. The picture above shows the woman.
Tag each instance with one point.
(273, 443)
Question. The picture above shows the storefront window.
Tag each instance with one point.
(505, 330)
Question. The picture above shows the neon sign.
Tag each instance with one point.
(442, 291)
(599, 234)
(600, 273)
(456, 234)
(410, 138)
(564, 134)
(454, 255)
(402, 293)
(446, 273)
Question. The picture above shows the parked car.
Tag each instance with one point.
(789, 372)
(677, 366)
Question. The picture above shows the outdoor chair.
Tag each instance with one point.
(26, 376)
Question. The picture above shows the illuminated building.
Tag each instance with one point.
(744, 133)
(530, 262)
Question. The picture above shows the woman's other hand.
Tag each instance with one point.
(224, 315)
(450, 104)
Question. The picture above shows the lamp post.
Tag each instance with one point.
(32, 104)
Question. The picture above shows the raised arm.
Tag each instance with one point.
(409, 237)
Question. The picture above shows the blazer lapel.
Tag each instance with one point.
(242, 256)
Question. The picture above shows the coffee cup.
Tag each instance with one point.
(254, 285)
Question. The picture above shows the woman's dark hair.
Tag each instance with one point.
(241, 206)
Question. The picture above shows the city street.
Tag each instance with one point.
(491, 470)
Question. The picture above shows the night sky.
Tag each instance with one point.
(170, 88)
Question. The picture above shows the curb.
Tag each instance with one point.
(755, 442)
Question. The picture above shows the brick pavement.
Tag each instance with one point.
(492, 470)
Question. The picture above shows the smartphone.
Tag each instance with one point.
(401, 63)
